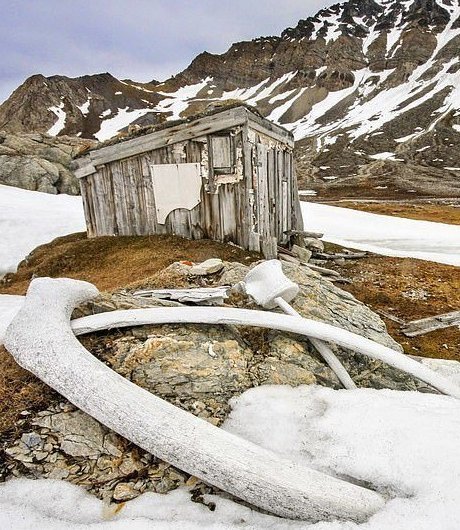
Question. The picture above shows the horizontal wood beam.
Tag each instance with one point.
(426, 325)
(179, 133)
(168, 136)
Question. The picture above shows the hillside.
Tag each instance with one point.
(370, 89)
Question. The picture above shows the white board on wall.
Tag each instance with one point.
(175, 186)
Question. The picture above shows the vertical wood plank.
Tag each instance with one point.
(263, 198)
(121, 209)
(88, 208)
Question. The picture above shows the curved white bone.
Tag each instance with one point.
(41, 340)
(267, 284)
(265, 319)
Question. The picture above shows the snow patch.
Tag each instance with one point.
(61, 119)
(385, 156)
(31, 218)
(382, 234)
(84, 109)
(177, 102)
(123, 118)
(371, 37)
(267, 91)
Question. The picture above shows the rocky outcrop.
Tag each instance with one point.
(197, 368)
(39, 162)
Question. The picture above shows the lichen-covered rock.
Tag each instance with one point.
(77, 434)
(67, 444)
(39, 162)
(190, 362)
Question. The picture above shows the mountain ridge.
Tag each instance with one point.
(370, 89)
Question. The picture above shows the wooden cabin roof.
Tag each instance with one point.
(179, 132)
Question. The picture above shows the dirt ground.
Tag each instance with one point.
(425, 211)
(407, 289)
(115, 262)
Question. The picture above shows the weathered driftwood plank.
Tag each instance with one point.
(199, 296)
(88, 208)
(41, 340)
(103, 203)
(323, 270)
(303, 233)
(289, 259)
(340, 255)
(297, 219)
(426, 325)
(228, 213)
(119, 198)
(390, 316)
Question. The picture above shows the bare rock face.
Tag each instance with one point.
(82, 102)
(39, 162)
(197, 368)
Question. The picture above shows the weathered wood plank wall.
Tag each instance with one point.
(252, 208)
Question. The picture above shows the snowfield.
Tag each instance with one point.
(404, 444)
(9, 306)
(383, 234)
(30, 218)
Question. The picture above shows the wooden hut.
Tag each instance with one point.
(227, 176)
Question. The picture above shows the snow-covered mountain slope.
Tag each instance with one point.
(30, 218)
(370, 88)
(93, 106)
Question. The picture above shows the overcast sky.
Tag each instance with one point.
(137, 39)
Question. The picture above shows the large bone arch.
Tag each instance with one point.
(280, 322)
(42, 341)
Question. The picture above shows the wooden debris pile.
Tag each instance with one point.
(307, 249)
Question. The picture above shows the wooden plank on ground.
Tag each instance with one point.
(426, 325)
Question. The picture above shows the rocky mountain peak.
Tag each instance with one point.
(357, 18)
(370, 89)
